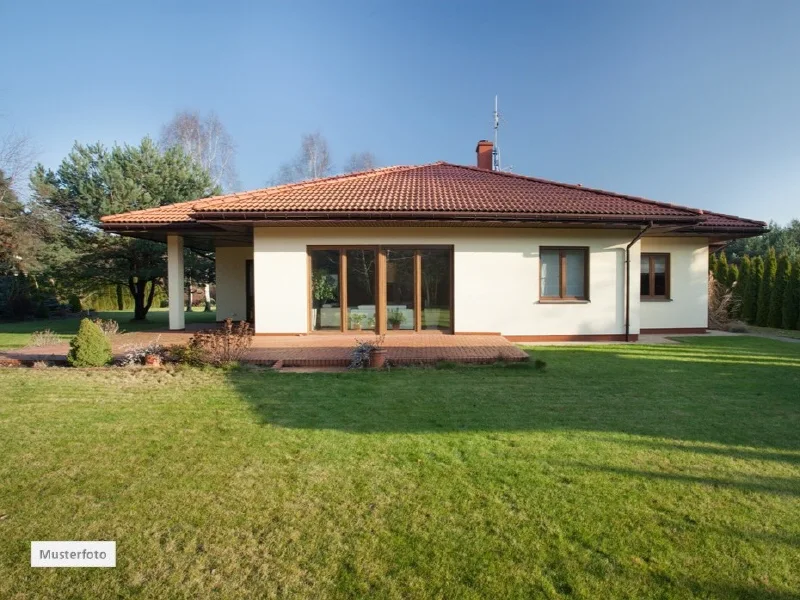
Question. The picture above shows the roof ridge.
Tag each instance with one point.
(577, 186)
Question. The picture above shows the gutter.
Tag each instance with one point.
(628, 280)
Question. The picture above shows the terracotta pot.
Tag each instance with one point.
(152, 360)
(395, 326)
(377, 358)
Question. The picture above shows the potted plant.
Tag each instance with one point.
(369, 353)
(355, 321)
(152, 360)
(370, 323)
(322, 290)
(396, 318)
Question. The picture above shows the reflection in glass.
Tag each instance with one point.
(399, 289)
(435, 289)
(326, 313)
(361, 289)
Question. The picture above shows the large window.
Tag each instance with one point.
(401, 288)
(655, 277)
(563, 274)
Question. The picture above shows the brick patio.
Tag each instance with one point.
(324, 350)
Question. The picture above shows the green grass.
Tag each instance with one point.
(771, 331)
(18, 335)
(617, 472)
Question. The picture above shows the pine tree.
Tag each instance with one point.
(740, 289)
(791, 300)
(766, 288)
(775, 318)
(751, 292)
(721, 272)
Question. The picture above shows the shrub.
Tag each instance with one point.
(134, 354)
(90, 347)
(791, 299)
(44, 338)
(720, 304)
(41, 311)
(721, 272)
(740, 289)
(109, 327)
(750, 309)
(188, 354)
(75, 304)
(784, 272)
(765, 290)
(225, 345)
(737, 327)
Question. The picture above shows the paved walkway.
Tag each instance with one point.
(323, 350)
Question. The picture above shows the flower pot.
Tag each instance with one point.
(396, 326)
(152, 360)
(377, 358)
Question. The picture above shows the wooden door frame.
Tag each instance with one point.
(380, 283)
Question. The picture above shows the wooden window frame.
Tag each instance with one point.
(562, 266)
(652, 276)
(380, 282)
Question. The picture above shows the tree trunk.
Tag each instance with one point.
(120, 300)
(207, 292)
(189, 295)
(141, 305)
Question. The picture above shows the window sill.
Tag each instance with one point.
(655, 299)
(557, 301)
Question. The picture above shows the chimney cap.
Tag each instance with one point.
(483, 143)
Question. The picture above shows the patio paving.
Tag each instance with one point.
(323, 350)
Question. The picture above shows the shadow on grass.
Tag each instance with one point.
(647, 391)
(771, 485)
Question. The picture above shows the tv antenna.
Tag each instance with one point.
(496, 148)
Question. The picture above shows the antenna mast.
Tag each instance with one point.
(495, 148)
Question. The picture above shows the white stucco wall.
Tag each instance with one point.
(496, 277)
(688, 304)
(231, 292)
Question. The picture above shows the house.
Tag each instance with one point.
(445, 248)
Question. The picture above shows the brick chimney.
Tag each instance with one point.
(484, 151)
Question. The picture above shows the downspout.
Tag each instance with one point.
(628, 280)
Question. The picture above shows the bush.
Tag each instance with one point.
(223, 346)
(44, 338)
(109, 327)
(775, 313)
(765, 291)
(750, 309)
(90, 347)
(75, 304)
(791, 299)
(721, 304)
(135, 354)
(188, 354)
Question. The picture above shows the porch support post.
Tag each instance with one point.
(175, 279)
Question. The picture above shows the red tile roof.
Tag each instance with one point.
(440, 189)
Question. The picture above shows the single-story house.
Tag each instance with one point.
(446, 248)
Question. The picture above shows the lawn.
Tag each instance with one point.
(617, 472)
(18, 335)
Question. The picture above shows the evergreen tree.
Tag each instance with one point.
(712, 263)
(791, 300)
(740, 289)
(784, 272)
(766, 288)
(751, 292)
(775, 318)
(721, 272)
(94, 181)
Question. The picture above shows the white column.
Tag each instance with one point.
(175, 276)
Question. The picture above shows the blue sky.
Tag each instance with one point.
(694, 103)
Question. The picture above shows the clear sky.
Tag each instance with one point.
(694, 103)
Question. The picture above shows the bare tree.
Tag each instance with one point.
(360, 161)
(312, 162)
(205, 141)
(17, 156)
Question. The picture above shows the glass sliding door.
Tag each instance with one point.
(400, 289)
(435, 293)
(361, 271)
(326, 308)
